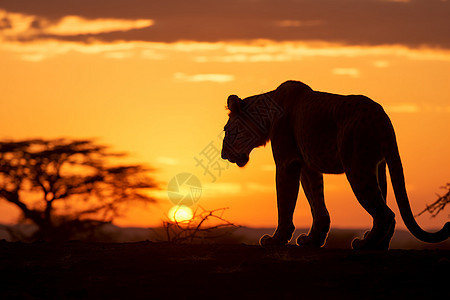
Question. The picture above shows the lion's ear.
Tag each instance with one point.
(233, 103)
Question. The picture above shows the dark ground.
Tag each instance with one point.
(76, 270)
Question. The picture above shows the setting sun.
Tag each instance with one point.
(180, 214)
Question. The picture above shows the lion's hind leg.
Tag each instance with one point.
(365, 185)
(382, 182)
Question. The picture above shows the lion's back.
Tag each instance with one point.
(324, 124)
(299, 99)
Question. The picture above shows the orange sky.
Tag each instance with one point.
(162, 99)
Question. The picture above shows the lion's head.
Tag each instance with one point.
(243, 131)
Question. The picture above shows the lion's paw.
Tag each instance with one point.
(305, 240)
(359, 244)
(372, 240)
(269, 241)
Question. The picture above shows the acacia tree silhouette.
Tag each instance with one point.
(67, 186)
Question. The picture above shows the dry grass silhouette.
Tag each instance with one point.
(437, 206)
(205, 226)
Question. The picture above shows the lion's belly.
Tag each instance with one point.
(323, 160)
(320, 151)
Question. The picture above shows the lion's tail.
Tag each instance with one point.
(398, 182)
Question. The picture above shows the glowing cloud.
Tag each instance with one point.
(271, 51)
(381, 64)
(221, 189)
(118, 55)
(38, 51)
(297, 23)
(167, 160)
(402, 108)
(352, 72)
(16, 24)
(259, 187)
(220, 78)
(74, 25)
(224, 52)
(23, 25)
(289, 23)
(399, 1)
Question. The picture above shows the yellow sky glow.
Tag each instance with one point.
(164, 103)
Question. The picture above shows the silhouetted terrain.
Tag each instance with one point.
(146, 270)
(338, 238)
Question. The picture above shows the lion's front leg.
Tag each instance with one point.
(312, 183)
(287, 183)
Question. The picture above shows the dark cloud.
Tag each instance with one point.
(354, 22)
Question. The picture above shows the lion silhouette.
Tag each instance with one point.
(313, 133)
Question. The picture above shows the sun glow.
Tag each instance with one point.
(180, 214)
